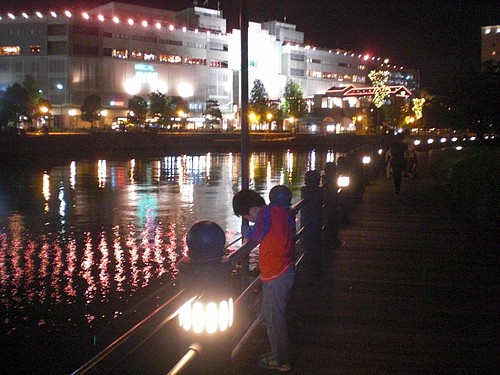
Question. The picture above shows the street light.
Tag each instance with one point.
(60, 87)
(73, 113)
(366, 160)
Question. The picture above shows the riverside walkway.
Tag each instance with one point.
(411, 290)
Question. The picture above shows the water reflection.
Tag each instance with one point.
(89, 235)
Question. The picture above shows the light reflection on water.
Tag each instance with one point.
(78, 241)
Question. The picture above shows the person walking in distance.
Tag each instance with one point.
(398, 161)
(273, 231)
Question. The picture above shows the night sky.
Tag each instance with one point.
(436, 37)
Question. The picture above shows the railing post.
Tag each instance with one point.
(331, 217)
(311, 216)
(207, 318)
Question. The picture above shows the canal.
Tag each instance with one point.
(85, 242)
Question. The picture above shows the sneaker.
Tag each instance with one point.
(264, 356)
(267, 361)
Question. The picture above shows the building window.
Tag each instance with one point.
(314, 74)
(171, 42)
(218, 47)
(36, 50)
(57, 48)
(139, 55)
(172, 59)
(10, 50)
(120, 53)
(116, 53)
(296, 57)
(345, 65)
(107, 34)
(329, 75)
(314, 61)
(297, 72)
(218, 64)
(194, 61)
(195, 45)
(85, 50)
(85, 30)
(140, 38)
(57, 30)
(56, 66)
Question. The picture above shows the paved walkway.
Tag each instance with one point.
(410, 291)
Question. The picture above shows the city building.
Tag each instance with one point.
(490, 42)
(120, 50)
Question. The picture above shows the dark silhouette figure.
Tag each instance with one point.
(398, 161)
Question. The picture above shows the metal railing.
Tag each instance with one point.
(151, 324)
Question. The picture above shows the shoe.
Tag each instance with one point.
(267, 361)
(264, 356)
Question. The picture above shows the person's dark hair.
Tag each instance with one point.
(244, 200)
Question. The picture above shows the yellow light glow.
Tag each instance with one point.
(211, 321)
(210, 318)
(367, 159)
(132, 86)
(343, 181)
(185, 90)
(198, 317)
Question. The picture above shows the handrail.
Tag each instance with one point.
(174, 303)
(187, 359)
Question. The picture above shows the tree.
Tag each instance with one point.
(15, 104)
(158, 107)
(91, 109)
(468, 100)
(34, 93)
(293, 104)
(258, 101)
(212, 113)
(379, 79)
(138, 109)
(177, 107)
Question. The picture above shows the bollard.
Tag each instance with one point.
(208, 317)
(331, 209)
(311, 216)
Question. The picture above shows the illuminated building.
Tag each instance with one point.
(490, 42)
(119, 50)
